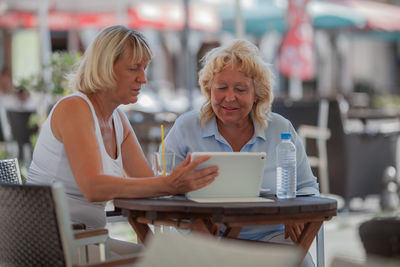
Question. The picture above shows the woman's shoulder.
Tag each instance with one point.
(190, 117)
(70, 112)
(72, 106)
(72, 101)
(277, 117)
(277, 120)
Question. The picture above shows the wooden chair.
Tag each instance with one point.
(35, 229)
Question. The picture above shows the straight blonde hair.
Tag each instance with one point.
(95, 70)
(244, 56)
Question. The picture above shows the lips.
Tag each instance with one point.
(230, 108)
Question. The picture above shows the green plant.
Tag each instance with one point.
(24, 172)
(34, 121)
(61, 63)
(4, 154)
(387, 101)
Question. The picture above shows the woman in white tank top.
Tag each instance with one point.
(88, 144)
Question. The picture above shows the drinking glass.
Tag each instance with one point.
(157, 163)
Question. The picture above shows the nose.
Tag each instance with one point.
(230, 95)
(142, 77)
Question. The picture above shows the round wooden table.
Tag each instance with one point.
(178, 211)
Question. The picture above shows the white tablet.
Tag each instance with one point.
(240, 175)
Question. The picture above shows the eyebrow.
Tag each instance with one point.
(235, 84)
(138, 65)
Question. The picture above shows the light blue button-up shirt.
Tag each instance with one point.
(187, 135)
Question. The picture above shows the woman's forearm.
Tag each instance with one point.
(106, 187)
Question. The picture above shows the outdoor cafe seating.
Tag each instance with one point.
(21, 132)
(37, 232)
(356, 159)
(36, 229)
(10, 172)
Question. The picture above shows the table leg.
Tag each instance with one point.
(320, 248)
(204, 225)
(142, 230)
(310, 231)
(305, 237)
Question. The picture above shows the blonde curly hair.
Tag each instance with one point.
(245, 56)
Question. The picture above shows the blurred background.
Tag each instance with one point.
(336, 66)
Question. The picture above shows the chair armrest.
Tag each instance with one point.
(123, 260)
(93, 236)
(90, 233)
(309, 131)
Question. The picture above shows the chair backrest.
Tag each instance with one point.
(21, 132)
(9, 171)
(381, 237)
(337, 147)
(298, 112)
(34, 230)
(20, 129)
(310, 119)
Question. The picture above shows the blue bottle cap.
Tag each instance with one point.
(285, 136)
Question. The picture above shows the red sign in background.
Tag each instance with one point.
(296, 56)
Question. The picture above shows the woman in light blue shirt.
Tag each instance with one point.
(237, 117)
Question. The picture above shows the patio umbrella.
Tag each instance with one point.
(270, 15)
(328, 15)
(264, 17)
(378, 16)
(64, 15)
(381, 20)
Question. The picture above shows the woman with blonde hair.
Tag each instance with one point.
(236, 116)
(87, 142)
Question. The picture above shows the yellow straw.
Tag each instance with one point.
(163, 150)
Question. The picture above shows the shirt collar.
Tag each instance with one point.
(211, 129)
(257, 132)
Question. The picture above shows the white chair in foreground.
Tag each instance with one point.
(173, 249)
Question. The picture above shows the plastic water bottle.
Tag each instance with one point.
(286, 168)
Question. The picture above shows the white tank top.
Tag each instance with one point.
(50, 164)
